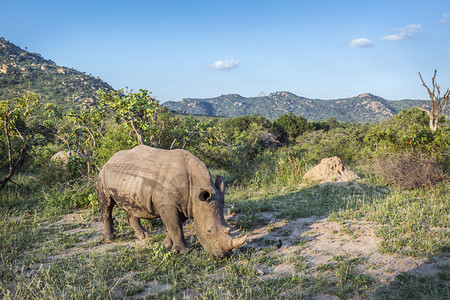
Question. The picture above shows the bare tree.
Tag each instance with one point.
(438, 103)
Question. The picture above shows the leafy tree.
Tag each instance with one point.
(89, 130)
(61, 127)
(116, 138)
(233, 125)
(11, 112)
(194, 132)
(138, 110)
(406, 118)
(332, 123)
(289, 127)
(408, 131)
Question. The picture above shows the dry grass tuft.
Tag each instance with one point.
(409, 170)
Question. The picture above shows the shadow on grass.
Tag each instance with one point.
(427, 281)
(319, 201)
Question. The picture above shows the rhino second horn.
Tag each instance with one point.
(236, 242)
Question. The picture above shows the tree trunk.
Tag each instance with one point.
(8, 140)
(433, 123)
(14, 168)
(138, 134)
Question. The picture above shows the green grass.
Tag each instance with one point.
(411, 222)
(36, 260)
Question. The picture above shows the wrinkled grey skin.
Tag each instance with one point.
(171, 184)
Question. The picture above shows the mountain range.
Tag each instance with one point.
(22, 71)
(362, 108)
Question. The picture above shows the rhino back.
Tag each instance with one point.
(143, 179)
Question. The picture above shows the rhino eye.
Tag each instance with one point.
(204, 196)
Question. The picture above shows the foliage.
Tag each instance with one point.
(16, 139)
(289, 127)
(345, 143)
(114, 140)
(193, 134)
(26, 72)
(409, 132)
(137, 110)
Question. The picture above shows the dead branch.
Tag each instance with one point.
(438, 102)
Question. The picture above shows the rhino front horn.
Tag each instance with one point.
(236, 242)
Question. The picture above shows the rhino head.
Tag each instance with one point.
(210, 227)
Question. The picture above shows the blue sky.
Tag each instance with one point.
(178, 49)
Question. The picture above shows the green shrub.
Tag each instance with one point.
(345, 143)
(114, 140)
(288, 127)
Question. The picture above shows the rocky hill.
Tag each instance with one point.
(362, 108)
(22, 71)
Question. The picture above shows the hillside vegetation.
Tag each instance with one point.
(22, 72)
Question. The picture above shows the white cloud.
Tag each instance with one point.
(445, 18)
(414, 28)
(396, 37)
(361, 43)
(404, 33)
(224, 64)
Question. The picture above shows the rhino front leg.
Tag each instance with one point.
(175, 237)
(135, 223)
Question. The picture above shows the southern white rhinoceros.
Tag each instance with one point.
(171, 184)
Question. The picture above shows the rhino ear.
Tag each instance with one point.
(204, 196)
(220, 184)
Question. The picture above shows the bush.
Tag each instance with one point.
(113, 141)
(345, 143)
(288, 127)
(409, 170)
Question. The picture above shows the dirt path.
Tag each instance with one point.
(321, 240)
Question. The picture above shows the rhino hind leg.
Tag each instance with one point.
(135, 223)
(175, 236)
(106, 206)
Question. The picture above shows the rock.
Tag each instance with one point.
(4, 69)
(62, 156)
(330, 170)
